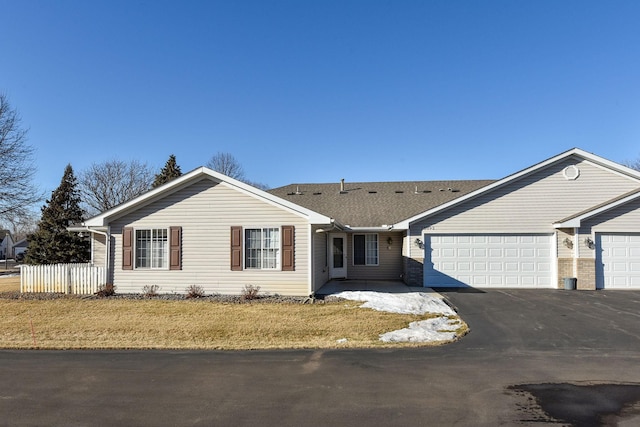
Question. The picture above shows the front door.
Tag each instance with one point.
(338, 256)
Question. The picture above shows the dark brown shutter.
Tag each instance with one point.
(236, 248)
(175, 248)
(288, 248)
(127, 248)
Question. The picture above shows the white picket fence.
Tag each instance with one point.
(62, 278)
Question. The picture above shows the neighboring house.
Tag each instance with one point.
(6, 244)
(573, 215)
(20, 247)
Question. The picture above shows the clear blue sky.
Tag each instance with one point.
(315, 91)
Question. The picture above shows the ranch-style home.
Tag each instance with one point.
(574, 215)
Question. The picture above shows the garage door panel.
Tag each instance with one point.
(489, 260)
(618, 261)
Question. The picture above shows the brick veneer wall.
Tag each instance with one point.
(565, 269)
(586, 273)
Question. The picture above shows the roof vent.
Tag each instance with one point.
(399, 191)
(298, 190)
(372, 192)
(341, 185)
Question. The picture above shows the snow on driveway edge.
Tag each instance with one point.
(431, 330)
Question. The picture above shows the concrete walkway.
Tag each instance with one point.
(389, 286)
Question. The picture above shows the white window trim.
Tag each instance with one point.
(165, 255)
(366, 250)
(278, 266)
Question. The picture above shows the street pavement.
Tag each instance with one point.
(532, 358)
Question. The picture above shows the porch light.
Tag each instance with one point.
(568, 243)
(589, 242)
(419, 243)
(389, 241)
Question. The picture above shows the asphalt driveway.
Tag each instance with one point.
(535, 358)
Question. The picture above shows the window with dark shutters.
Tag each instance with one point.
(288, 248)
(127, 248)
(236, 248)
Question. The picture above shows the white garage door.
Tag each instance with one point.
(488, 261)
(618, 261)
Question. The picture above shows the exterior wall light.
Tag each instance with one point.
(568, 243)
(589, 242)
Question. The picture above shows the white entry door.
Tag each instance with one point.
(338, 256)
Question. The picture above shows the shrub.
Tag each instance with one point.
(195, 291)
(150, 290)
(106, 290)
(250, 292)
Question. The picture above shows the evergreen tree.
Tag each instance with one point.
(170, 171)
(52, 243)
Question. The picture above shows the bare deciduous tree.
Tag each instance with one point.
(21, 224)
(633, 164)
(17, 191)
(108, 184)
(226, 164)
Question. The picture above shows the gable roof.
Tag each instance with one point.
(375, 204)
(191, 177)
(575, 220)
(525, 172)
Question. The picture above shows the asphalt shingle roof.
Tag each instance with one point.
(373, 204)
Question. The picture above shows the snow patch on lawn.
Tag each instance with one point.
(431, 330)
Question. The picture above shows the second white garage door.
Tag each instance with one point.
(618, 261)
(488, 261)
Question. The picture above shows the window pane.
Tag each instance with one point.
(358, 249)
(159, 245)
(338, 250)
(253, 242)
(271, 248)
(143, 248)
(262, 248)
(372, 249)
(152, 248)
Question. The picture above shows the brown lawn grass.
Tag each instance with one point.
(9, 284)
(158, 324)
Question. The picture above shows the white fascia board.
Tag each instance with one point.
(174, 185)
(371, 229)
(577, 221)
(513, 177)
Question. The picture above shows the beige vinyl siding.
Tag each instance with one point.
(625, 218)
(622, 219)
(206, 211)
(99, 249)
(562, 249)
(389, 259)
(320, 259)
(531, 204)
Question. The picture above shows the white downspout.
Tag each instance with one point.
(107, 242)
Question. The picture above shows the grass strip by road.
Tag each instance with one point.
(193, 324)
